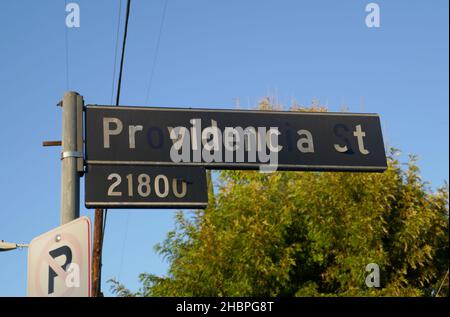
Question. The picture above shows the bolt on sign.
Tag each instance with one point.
(234, 139)
(59, 263)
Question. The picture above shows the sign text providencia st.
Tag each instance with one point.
(234, 139)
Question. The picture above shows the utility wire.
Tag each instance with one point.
(66, 40)
(116, 50)
(123, 51)
(112, 93)
(155, 56)
(120, 78)
(118, 89)
(117, 103)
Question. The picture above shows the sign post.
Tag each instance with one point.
(71, 156)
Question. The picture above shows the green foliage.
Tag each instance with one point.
(309, 234)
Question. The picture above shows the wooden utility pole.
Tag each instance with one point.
(97, 254)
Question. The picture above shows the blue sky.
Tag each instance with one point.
(211, 54)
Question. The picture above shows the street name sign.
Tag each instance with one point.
(59, 261)
(234, 139)
(127, 186)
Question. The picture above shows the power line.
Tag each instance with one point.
(123, 52)
(66, 40)
(116, 50)
(155, 56)
(112, 93)
(117, 97)
(119, 83)
(117, 103)
(112, 88)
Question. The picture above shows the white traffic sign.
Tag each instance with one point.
(59, 261)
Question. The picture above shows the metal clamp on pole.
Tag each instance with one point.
(76, 154)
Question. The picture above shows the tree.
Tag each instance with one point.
(309, 234)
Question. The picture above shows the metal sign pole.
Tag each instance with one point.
(70, 156)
